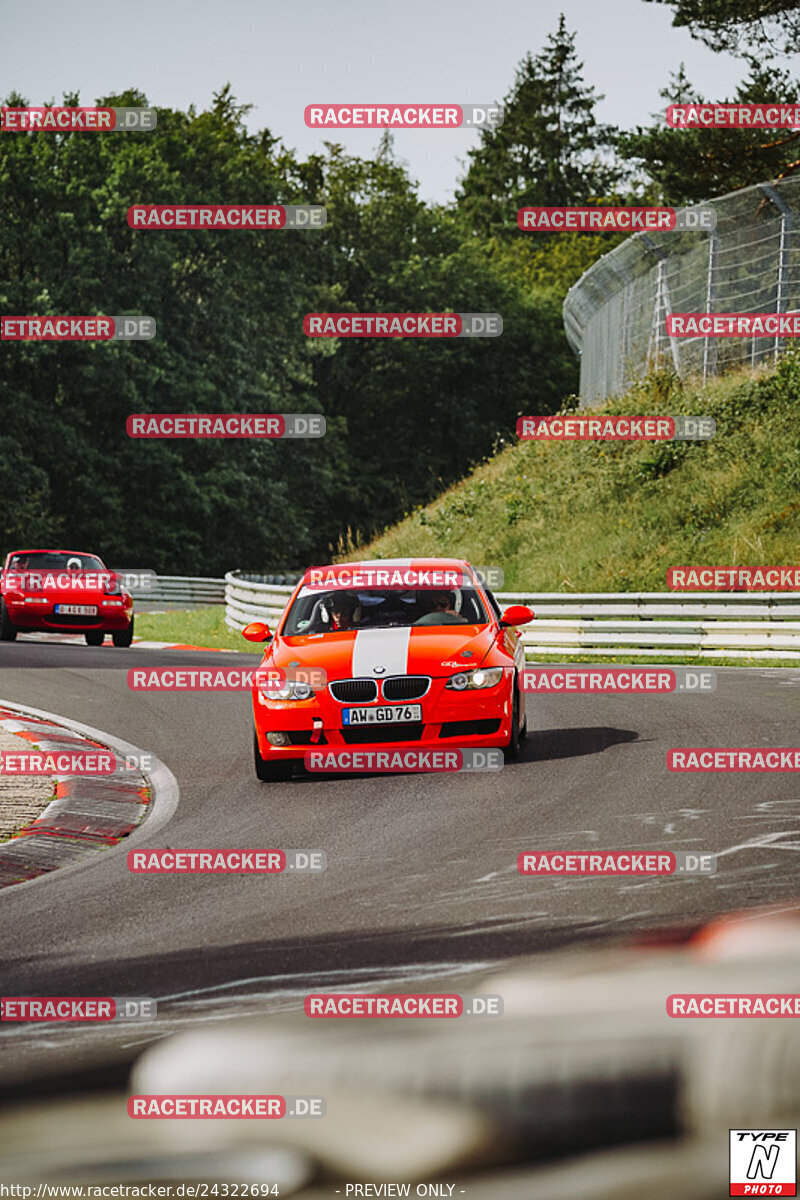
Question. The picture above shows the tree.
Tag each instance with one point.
(740, 25)
(421, 412)
(689, 165)
(549, 149)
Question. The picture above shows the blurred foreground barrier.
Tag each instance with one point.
(584, 1069)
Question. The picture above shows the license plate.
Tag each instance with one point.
(77, 610)
(382, 716)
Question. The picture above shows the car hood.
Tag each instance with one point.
(437, 650)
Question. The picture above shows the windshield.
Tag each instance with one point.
(40, 560)
(316, 612)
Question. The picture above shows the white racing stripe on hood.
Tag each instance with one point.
(387, 648)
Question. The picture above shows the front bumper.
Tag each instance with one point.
(449, 718)
(35, 616)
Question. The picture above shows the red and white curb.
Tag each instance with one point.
(89, 812)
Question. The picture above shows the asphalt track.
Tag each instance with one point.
(421, 880)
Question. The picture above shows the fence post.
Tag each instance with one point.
(662, 306)
(782, 284)
(709, 359)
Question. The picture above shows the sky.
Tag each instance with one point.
(279, 57)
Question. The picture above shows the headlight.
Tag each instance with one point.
(287, 691)
(481, 677)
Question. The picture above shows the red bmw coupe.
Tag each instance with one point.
(390, 653)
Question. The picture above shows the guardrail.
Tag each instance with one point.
(652, 624)
(182, 589)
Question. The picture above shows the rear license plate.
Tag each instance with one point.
(383, 715)
(77, 610)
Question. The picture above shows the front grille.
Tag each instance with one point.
(469, 728)
(364, 734)
(354, 691)
(405, 687)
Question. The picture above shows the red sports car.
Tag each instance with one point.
(389, 653)
(63, 591)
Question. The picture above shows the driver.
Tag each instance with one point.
(342, 608)
(441, 611)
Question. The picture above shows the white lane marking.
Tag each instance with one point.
(767, 839)
(387, 648)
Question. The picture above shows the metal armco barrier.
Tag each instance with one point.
(605, 624)
(246, 600)
(185, 590)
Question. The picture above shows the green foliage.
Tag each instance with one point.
(764, 25)
(688, 165)
(549, 148)
(403, 417)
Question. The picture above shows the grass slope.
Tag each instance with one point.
(193, 627)
(605, 516)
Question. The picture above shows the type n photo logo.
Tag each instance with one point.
(763, 1162)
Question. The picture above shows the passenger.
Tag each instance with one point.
(441, 611)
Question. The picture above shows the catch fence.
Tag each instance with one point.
(615, 315)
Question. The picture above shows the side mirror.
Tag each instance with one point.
(517, 614)
(256, 631)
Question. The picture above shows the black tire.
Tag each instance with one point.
(8, 632)
(511, 748)
(270, 772)
(94, 637)
(123, 637)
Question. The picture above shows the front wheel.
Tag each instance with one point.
(123, 637)
(270, 772)
(94, 637)
(511, 748)
(8, 632)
